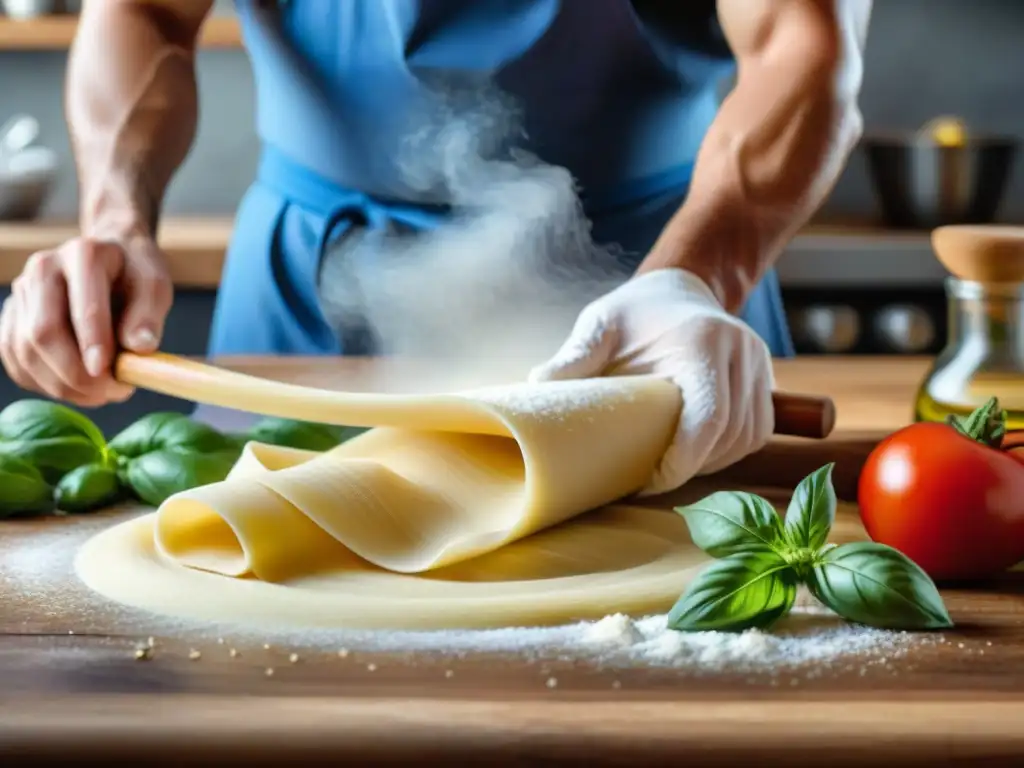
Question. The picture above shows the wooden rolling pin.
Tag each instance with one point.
(795, 415)
(811, 416)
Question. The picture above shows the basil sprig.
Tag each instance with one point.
(156, 476)
(306, 435)
(748, 589)
(23, 489)
(53, 457)
(168, 430)
(88, 487)
(762, 560)
(30, 419)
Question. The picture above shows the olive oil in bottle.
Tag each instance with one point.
(984, 355)
(927, 408)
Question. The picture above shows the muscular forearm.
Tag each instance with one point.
(776, 147)
(131, 105)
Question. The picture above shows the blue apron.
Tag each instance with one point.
(617, 95)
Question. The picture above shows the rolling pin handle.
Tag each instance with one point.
(803, 415)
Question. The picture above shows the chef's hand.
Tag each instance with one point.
(668, 323)
(57, 328)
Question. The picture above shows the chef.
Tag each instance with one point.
(621, 93)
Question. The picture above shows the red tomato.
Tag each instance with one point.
(953, 505)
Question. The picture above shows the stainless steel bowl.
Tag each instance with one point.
(922, 184)
(30, 9)
(905, 328)
(26, 182)
(827, 328)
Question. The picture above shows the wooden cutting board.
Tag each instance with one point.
(70, 686)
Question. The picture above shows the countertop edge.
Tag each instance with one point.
(570, 727)
(195, 247)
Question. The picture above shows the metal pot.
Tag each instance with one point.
(922, 184)
(831, 329)
(905, 328)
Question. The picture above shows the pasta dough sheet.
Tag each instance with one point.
(476, 523)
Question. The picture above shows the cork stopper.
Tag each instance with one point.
(981, 253)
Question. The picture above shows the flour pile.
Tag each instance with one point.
(809, 637)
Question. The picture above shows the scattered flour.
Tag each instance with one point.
(555, 398)
(809, 636)
(37, 578)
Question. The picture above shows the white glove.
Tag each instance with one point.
(668, 323)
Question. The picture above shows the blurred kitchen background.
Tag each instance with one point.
(861, 280)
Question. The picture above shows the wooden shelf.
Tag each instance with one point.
(831, 237)
(195, 247)
(51, 33)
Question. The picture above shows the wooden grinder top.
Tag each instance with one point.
(981, 253)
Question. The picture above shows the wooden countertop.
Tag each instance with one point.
(196, 246)
(83, 695)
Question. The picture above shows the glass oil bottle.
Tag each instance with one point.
(984, 353)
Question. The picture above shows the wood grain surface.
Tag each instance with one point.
(72, 688)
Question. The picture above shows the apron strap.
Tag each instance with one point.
(339, 207)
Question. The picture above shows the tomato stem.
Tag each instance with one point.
(986, 424)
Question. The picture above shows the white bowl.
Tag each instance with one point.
(29, 9)
(26, 181)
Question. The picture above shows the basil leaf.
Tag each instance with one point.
(23, 490)
(812, 510)
(159, 431)
(41, 420)
(301, 434)
(728, 522)
(87, 488)
(742, 591)
(873, 584)
(238, 439)
(156, 476)
(54, 456)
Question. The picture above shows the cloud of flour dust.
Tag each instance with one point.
(497, 287)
